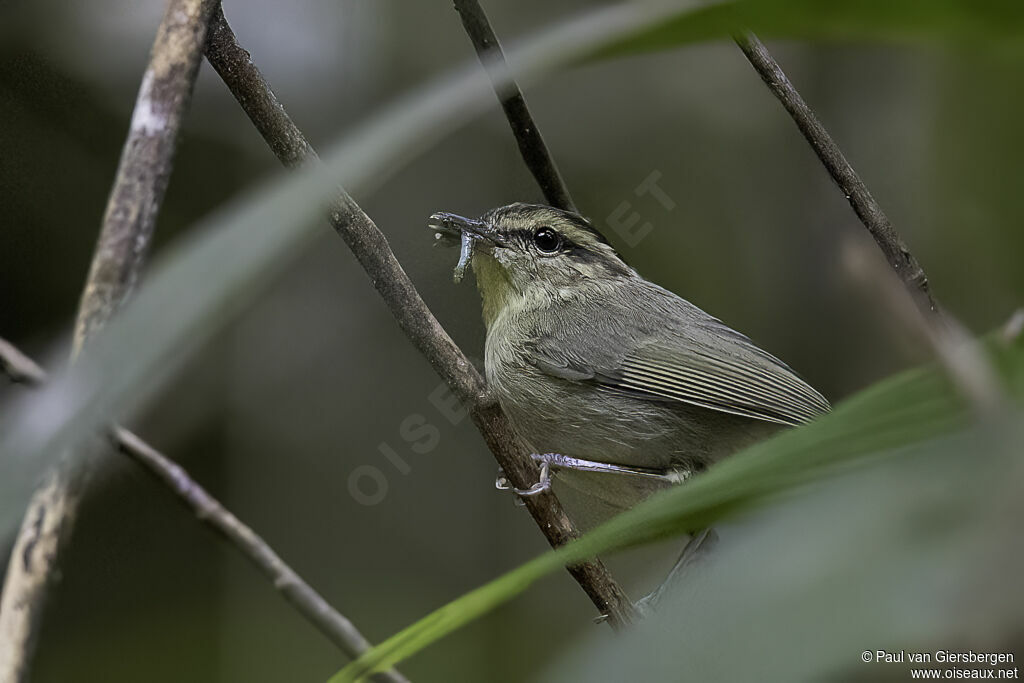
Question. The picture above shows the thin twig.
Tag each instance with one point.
(135, 198)
(1013, 327)
(961, 357)
(310, 604)
(864, 205)
(209, 510)
(531, 145)
(19, 367)
(372, 251)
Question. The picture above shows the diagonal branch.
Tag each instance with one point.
(135, 198)
(372, 251)
(531, 145)
(957, 352)
(303, 597)
(19, 367)
(912, 304)
(864, 205)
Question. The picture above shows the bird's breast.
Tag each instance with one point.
(579, 419)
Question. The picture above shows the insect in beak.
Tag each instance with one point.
(449, 226)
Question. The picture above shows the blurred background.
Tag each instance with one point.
(283, 415)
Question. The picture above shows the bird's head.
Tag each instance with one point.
(532, 255)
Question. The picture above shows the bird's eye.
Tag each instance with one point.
(547, 240)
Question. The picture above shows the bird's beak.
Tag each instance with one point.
(455, 226)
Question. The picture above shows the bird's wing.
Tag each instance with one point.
(687, 357)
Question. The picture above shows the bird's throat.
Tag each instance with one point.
(496, 288)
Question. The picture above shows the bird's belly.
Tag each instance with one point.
(580, 420)
(614, 434)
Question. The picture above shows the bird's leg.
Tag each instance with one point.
(699, 544)
(670, 476)
(549, 460)
(695, 548)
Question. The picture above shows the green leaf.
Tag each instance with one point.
(918, 553)
(878, 423)
(977, 22)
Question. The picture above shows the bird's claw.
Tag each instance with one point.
(543, 484)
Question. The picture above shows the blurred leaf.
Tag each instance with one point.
(918, 554)
(882, 421)
(979, 22)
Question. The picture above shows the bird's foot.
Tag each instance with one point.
(543, 484)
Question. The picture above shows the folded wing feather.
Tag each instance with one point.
(695, 359)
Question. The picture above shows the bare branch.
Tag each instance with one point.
(912, 304)
(142, 177)
(29, 570)
(252, 91)
(146, 163)
(372, 251)
(961, 357)
(1013, 327)
(208, 509)
(531, 145)
(339, 630)
(864, 205)
(18, 366)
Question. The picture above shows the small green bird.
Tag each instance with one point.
(618, 385)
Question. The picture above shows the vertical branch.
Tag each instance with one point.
(131, 212)
(864, 205)
(145, 165)
(531, 145)
(371, 249)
